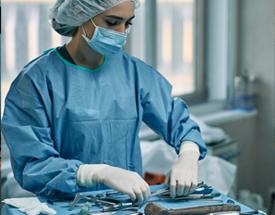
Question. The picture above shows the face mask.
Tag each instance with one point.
(106, 41)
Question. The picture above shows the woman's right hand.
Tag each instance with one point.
(122, 180)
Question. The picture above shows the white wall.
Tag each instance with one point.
(257, 54)
(256, 135)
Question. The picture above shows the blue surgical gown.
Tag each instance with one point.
(59, 115)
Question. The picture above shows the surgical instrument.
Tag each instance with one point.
(80, 197)
(152, 209)
(201, 189)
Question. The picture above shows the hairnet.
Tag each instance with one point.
(67, 15)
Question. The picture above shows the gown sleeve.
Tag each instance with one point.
(166, 115)
(26, 127)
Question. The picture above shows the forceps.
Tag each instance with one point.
(201, 189)
(78, 197)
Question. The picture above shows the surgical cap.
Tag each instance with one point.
(67, 15)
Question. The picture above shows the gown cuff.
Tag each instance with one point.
(189, 146)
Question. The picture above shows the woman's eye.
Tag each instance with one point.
(111, 23)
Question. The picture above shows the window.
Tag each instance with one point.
(166, 36)
(136, 41)
(175, 43)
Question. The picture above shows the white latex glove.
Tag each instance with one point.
(184, 172)
(30, 206)
(124, 181)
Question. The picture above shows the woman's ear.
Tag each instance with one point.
(88, 27)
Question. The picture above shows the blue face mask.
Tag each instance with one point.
(106, 41)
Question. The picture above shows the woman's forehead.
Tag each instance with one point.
(125, 10)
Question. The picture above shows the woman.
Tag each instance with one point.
(72, 116)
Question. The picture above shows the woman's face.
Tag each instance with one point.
(118, 18)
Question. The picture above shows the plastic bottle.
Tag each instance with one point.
(244, 94)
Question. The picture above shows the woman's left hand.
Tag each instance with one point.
(184, 174)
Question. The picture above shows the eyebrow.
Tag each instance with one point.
(119, 18)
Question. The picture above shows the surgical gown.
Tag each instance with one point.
(59, 115)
